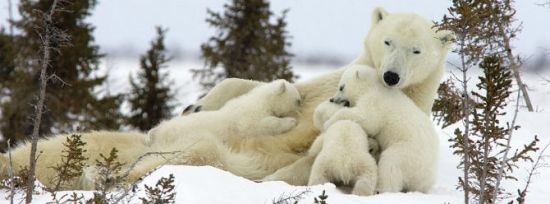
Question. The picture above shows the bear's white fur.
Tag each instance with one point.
(261, 112)
(408, 45)
(252, 114)
(420, 73)
(130, 146)
(342, 155)
(408, 140)
(298, 173)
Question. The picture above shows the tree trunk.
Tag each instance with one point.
(49, 31)
(515, 69)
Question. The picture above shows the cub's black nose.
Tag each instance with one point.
(346, 103)
(391, 78)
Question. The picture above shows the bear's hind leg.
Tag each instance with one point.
(365, 182)
(390, 175)
(295, 174)
(318, 176)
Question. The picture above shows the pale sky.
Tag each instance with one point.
(334, 28)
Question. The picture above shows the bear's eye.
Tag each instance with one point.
(387, 42)
(416, 52)
(341, 88)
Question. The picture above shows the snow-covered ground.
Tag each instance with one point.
(211, 185)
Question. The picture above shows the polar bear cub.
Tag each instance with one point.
(324, 112)
(265, 110)
(408, 140)
(342, 155)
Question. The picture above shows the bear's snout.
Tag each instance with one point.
(391, 78)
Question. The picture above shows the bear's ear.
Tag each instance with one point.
(378, 14)
(282, 88)
(446, 37)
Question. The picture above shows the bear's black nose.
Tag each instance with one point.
(391, 78)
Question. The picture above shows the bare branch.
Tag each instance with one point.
(504, 158)
(139, 159)
(133, 165)
(515, 64)
(466, 121)
(55, 78)
(292, 197)
(539, 163)
(48, 36)
(10, 173)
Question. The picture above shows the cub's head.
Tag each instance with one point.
(355, 82)
(282, 97)
(405, 48)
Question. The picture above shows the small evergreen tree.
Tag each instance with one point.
(247, 45)
(7, 55)
(151, 96)
(322, 198)
(72, 99)
(162, 193)
(448, 107)
(72, 162)
(109, 177)
(489, 140)
(483, 141)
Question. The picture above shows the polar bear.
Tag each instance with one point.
(342, 155)
(408, 140)
(298, 173)
(414, 62)
(263, 111)
(49, 151)
(255, 113)
(257, 157)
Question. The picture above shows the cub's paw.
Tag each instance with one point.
(323, 112)
(193, 108)
(288, 123)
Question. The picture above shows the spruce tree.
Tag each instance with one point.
(151, 96)
(484, 140)
(72, 98)
(247, 45)
(7, 55)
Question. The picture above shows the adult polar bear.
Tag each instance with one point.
(404, 48)
(417, 73)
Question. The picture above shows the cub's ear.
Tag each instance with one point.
(150, 136)
(446, 37)
(378, 14)
(361, 74)
(282, 87)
